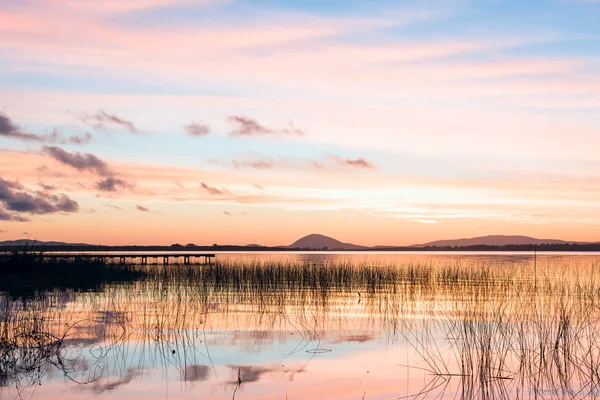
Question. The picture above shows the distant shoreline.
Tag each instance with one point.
(224, 248)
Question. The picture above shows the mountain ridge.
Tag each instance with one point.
(321, 242)
(493, 240)
(316, 241)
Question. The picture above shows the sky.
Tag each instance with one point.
(261, 121)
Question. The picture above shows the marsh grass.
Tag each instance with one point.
(512, 332)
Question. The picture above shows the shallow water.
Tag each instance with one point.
(475, 325)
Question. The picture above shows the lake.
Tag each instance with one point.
(306, 325)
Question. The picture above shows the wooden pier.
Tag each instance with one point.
(136, 258)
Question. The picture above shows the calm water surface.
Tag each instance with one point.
(443, 325)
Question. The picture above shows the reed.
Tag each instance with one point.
(510, 333)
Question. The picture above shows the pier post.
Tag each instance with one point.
(144, 260)
(166, 260)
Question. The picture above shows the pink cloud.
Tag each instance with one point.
(103, 120)
(197, 129)
(255, 164)
(245, 126)
(377, 69)
(142, 208)
(357, 163)
(214, 191)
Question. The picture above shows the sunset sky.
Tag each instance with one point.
(375, 122)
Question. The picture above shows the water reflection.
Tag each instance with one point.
(429, 329)
(195, 373)
(99, 387)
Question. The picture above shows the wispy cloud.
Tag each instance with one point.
(290, 129)
(141, 208)
(332, 163)
(213, 191)
(46, 187)
(112, 206)
(116, 6)
(102, 120)
(356, 163)
(246, 126)
(360, 163)
(317, 164)
(197, 129)
(425, 221)
(11, 130)
(254, 164)
(81, 139)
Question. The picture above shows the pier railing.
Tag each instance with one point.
(187, 258)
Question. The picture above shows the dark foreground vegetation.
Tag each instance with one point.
(26, 273)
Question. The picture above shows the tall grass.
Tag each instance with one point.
(512, 332)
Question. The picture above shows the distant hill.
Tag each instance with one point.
(493, 240)
(318, 242)
(34, 243)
